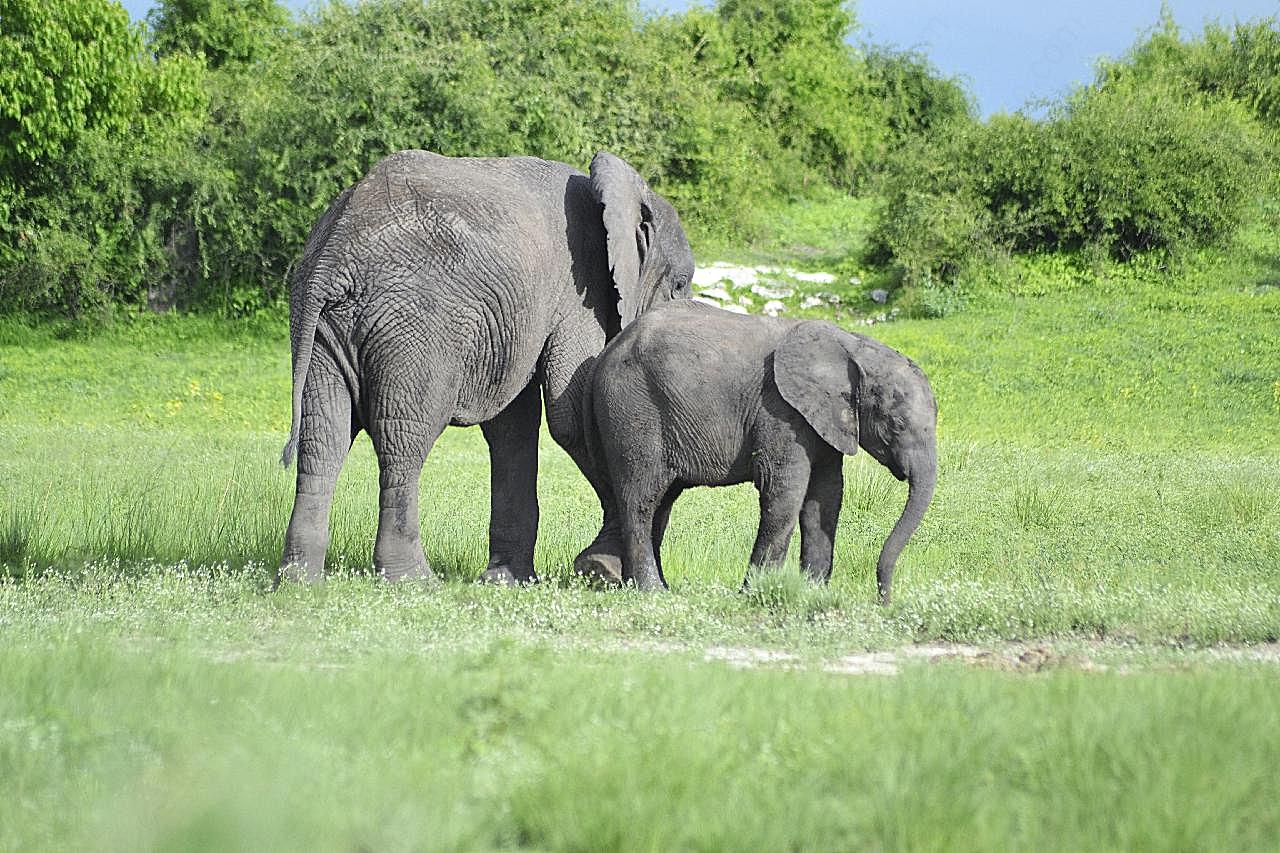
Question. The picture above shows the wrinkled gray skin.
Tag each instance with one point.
(442, 291)
(691, 395)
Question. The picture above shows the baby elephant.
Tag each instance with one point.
(690, 395)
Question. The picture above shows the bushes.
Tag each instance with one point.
(1119, 169)
(555, 80)
(93, 135)
(721, 116)
(188, 167)
(1150, 169)
(1240, 63)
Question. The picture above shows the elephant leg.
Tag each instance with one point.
(513, 489)
(818, 518)
(566, 366)
(397, 551)
(601, 561)
(325, 434)
(403, 426)
(781, 497)
(638, 512)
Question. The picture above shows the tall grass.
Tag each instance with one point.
(529, 746)
(1108, 491)
(1106, 468)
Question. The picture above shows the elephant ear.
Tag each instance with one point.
(816, 375)
(628, 222)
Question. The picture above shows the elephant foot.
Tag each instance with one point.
(650, 583)
(420, 573)
(298, 572)
(503, 576)
(599, 569)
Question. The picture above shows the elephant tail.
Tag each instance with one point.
(304, 316)
(590, 430)
(591, 437)
(307, 298)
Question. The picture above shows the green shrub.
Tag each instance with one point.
(222, 31)
(933, 223)
(1119, 169)
(186, 169)
(1151, 168)
(1239, 63)
(94, 155)
(911, 98)
(794, 69)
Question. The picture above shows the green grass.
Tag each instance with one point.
(1109, 499)
(149, 741)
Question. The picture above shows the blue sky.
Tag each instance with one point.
(1010, 52)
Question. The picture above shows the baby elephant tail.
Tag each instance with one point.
(599, 473)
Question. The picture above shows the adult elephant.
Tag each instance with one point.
(442, 291)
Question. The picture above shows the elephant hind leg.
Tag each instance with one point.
(328, 427)
(782, 487)
(640, 504)
(403, 424)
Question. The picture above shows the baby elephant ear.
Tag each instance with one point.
(816, 375)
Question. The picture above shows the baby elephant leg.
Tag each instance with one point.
(640, 507)
(819, 515)
(781, 497)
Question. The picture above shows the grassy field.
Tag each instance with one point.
(1083, 634)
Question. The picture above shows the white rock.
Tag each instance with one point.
(830, 298)
(736, 309)
(815, 277)
(773, 308)
(811, 302)
(745, 300)
(771, 292)
(716, 273)
(714, 293)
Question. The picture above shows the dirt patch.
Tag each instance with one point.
(1011, 658)
(744, 658)
(867, 663)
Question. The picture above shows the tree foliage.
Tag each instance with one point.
(185, 164)
(222, 31)
(90, 163)
(66, 69)
(1165, 151)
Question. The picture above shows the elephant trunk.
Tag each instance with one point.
(922, 476)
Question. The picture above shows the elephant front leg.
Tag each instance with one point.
(513, 489)
(567, 368)
(819, 517)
